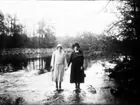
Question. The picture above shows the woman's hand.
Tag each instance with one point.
(82, 67)
(66, 68)
(52, 68)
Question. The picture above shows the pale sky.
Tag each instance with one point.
(68, 17)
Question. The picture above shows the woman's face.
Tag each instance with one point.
(76, 48)
(59, 48)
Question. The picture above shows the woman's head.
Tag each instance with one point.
(59, 47)
(76, 46)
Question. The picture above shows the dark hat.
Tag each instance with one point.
(76, 44)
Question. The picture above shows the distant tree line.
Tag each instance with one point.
(93, 42)
(13, 35)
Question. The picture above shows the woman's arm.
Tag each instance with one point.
(65, 61)
(70, 60)
(82, 60)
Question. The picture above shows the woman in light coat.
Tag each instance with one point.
(58, 64)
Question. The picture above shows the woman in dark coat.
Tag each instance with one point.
(77, 70)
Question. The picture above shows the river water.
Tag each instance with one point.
(39, 89)
(28, 62)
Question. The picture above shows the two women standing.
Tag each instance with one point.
(59, 64)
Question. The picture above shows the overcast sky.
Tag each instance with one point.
(68, 17)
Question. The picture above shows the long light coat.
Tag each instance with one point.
(58, 62)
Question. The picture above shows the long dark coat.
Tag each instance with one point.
(76, 60)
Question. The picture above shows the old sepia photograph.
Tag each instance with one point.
(69, 52)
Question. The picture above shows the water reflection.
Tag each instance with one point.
(27, 62)
(32, 61)
(36, 64)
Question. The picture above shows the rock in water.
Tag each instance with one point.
(91, 89)
(20, 101)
